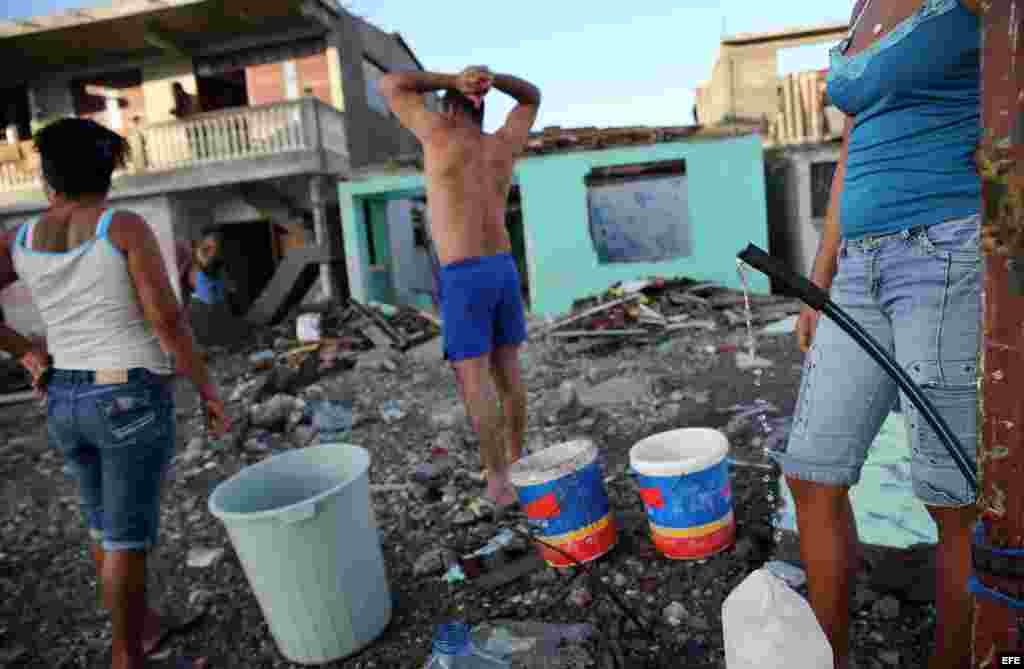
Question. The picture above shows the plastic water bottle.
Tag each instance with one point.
(454, 650)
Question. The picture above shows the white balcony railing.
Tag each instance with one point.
(216, 137)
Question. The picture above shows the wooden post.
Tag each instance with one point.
(1001, 424)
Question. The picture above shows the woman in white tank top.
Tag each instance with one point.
(114, 329)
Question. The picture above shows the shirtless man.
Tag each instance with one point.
(469, 175)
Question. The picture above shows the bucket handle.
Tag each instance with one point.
(298, 513)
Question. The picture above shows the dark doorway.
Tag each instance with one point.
(517, 235)
(249, 259)
(14, 112)
(224, 90)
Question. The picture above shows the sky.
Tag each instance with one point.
(596, 63)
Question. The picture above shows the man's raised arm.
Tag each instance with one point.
(404, 92)
(517, 126)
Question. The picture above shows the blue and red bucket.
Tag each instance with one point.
(562, 491)
(684, 483)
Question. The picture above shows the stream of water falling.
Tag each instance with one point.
(760, 418)
(742, 268)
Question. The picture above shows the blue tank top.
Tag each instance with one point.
(208, 290)
(915, 96)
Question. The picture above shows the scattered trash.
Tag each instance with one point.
(307, 327)
(455, 575)
(766, 624)
(794, 576)
(332, 419)
(385, 309)
(204, 558)
(262, 360)
(502, 540)
(637, 310)
(531, 643)
(391, 411)
(783, 327)
(453, 649)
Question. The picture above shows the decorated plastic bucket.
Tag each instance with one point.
(561, 489)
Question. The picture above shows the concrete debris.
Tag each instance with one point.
(569, 397)
(204, 558)
(657, 307)
(274, 412)
(580, 597)
(615, 391)
(675, 613)
(887, 608)
(434, 562)
(745, 361)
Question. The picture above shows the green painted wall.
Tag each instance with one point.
(726, 196)
(727, 201)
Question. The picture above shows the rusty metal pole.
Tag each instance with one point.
(1001, 425)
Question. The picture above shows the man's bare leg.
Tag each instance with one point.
(829, 547)
(952, 600)
(481, 398)
(152, 626)
(509, 378)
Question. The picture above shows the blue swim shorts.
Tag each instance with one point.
(481, 306)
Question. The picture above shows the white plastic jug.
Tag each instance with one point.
(768, 625)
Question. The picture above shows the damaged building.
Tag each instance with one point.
(282, 105)
(589, 207)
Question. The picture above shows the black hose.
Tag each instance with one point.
(818, 299)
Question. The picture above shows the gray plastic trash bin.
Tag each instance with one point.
(304, 530)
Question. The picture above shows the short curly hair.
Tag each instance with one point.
(79, 156)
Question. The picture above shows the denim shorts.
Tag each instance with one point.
(118, 441)
(918, 293)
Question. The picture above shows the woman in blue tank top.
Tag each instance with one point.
(899, 253)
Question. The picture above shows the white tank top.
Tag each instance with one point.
(89, 305)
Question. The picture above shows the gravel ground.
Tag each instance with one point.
(48, 607)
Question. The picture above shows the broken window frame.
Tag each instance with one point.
(819, 188)
(613, 175)
(373, 72)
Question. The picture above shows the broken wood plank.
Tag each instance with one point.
(650, 315)
(594, 310)
(704, 325)
(600, 333)
(380, 321)
(680, 298)
(18, 398)
(510, 572)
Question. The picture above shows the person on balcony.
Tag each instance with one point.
(185, 106)
(900, 253)
(115, 333)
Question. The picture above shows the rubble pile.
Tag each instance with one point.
(447, 556)
(658, 307)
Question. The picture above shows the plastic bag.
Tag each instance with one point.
(307, 327)
(332, 419)
(766, 624)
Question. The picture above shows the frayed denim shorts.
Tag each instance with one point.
(118, 441)
(918, 293)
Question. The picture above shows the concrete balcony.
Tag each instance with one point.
(214, 149)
